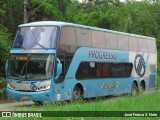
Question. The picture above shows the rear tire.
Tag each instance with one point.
(142, 88)
(134, 89)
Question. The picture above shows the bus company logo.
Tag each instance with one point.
(139, 65)
(33, 86)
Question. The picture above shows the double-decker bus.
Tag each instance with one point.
(56, 61)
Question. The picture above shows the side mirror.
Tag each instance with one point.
(6, 67)
(59, 69)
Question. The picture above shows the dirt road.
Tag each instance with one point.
(12, 106)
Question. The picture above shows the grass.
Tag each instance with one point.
(148, 101)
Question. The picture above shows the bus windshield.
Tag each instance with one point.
(31, 66)
(36, 37)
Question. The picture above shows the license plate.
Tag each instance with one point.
(25, 97)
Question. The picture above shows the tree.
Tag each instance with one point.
(12, 14)
(4, 47)
(49, 10)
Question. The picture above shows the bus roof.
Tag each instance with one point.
(61, 24)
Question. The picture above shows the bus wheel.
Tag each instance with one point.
(142, 87)
(77, 93)
(134, 89)
(38, 103)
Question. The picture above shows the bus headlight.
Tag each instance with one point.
(10, 86)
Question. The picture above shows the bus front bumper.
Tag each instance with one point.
(46, 95)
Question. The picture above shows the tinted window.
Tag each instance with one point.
(98, 39)
(31, 66)
(111, 40)
(91, 70)
(123, 42)
(143, 45)
(84, 37)
(68, 36)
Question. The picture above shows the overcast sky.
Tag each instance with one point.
(80, 0)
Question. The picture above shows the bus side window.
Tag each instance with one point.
(115, 70)
(105, 70)
(102, 70)
(99, 70)
(81, 72)
(93, 70)
(121, 70)
(128, 69)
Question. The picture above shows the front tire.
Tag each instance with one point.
(38, 103)
(77, 94)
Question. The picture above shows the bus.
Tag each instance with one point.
(58, 61)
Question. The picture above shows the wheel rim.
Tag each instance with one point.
(134, 89)
(76, 94)
(141, 87)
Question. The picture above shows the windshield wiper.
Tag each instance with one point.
(39, 44)
(36, 41)
(15, 74)
(25, 66)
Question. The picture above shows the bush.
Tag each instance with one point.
(2, 88)
(5, 44)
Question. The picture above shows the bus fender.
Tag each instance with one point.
(142, 85)
(135, 81)
(81, 87)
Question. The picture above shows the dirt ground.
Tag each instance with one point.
(11, 106)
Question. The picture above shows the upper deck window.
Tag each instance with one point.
(133, 43)
(36, 37)
(73, 37)
(151, 46)
(122, 42)
(143, 45)
(111, 40)
(98, 39)
(68, 36)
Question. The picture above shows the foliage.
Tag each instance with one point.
(141, 17)
(2, 88)
(10, 18)
(4, 42)
(4, 47)
(12, 14)
(50, 9)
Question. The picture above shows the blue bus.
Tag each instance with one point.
(57, 61)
